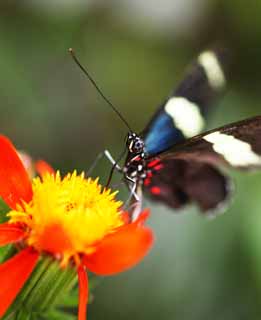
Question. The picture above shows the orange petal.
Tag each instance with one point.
(83, 292)
(42, 167)
(54, 239)
(15, 184)
(13, 274)
(10, 233)
(120, 250)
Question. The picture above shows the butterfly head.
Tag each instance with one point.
(135, 144)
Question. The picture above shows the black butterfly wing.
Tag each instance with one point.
(188, 172)
(237, 145)
(182, 115)
(205, 80)
(180, 182)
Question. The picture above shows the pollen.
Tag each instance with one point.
(68, 216)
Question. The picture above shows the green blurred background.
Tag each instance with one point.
(137, 51)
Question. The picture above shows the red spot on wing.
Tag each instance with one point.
(147, 182)
(149, 174)
(155, 190)
(158, 167)
(153, 163)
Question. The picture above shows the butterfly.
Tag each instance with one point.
(176, 165)
(170, 160)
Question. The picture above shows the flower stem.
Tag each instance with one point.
(43, 291)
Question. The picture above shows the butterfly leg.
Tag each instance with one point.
(135, 200)
(132, 194)
(114, 166)
(105, 153)
(132, 188)
(137, 205)
(111, 159)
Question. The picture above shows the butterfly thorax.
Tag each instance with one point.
(135, 167)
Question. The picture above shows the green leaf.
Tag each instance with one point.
(6, 251)
(58, 315)
(4, 209)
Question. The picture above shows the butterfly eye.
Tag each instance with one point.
(138, 146)
(135, 144)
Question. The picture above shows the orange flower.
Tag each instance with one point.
(71, 218)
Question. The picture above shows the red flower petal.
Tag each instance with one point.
(13, 274)
(42, 167)
(121, 250)
(54, 239)
(83, 292)
(15, 184)
(10, 233)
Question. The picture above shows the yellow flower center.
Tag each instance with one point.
(68, 216)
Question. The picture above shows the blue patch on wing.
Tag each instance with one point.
(162, 134)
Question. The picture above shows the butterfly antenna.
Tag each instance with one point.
(71, 51)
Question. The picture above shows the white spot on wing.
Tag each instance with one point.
(213, 70)
(186, 115)
(235, 151)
